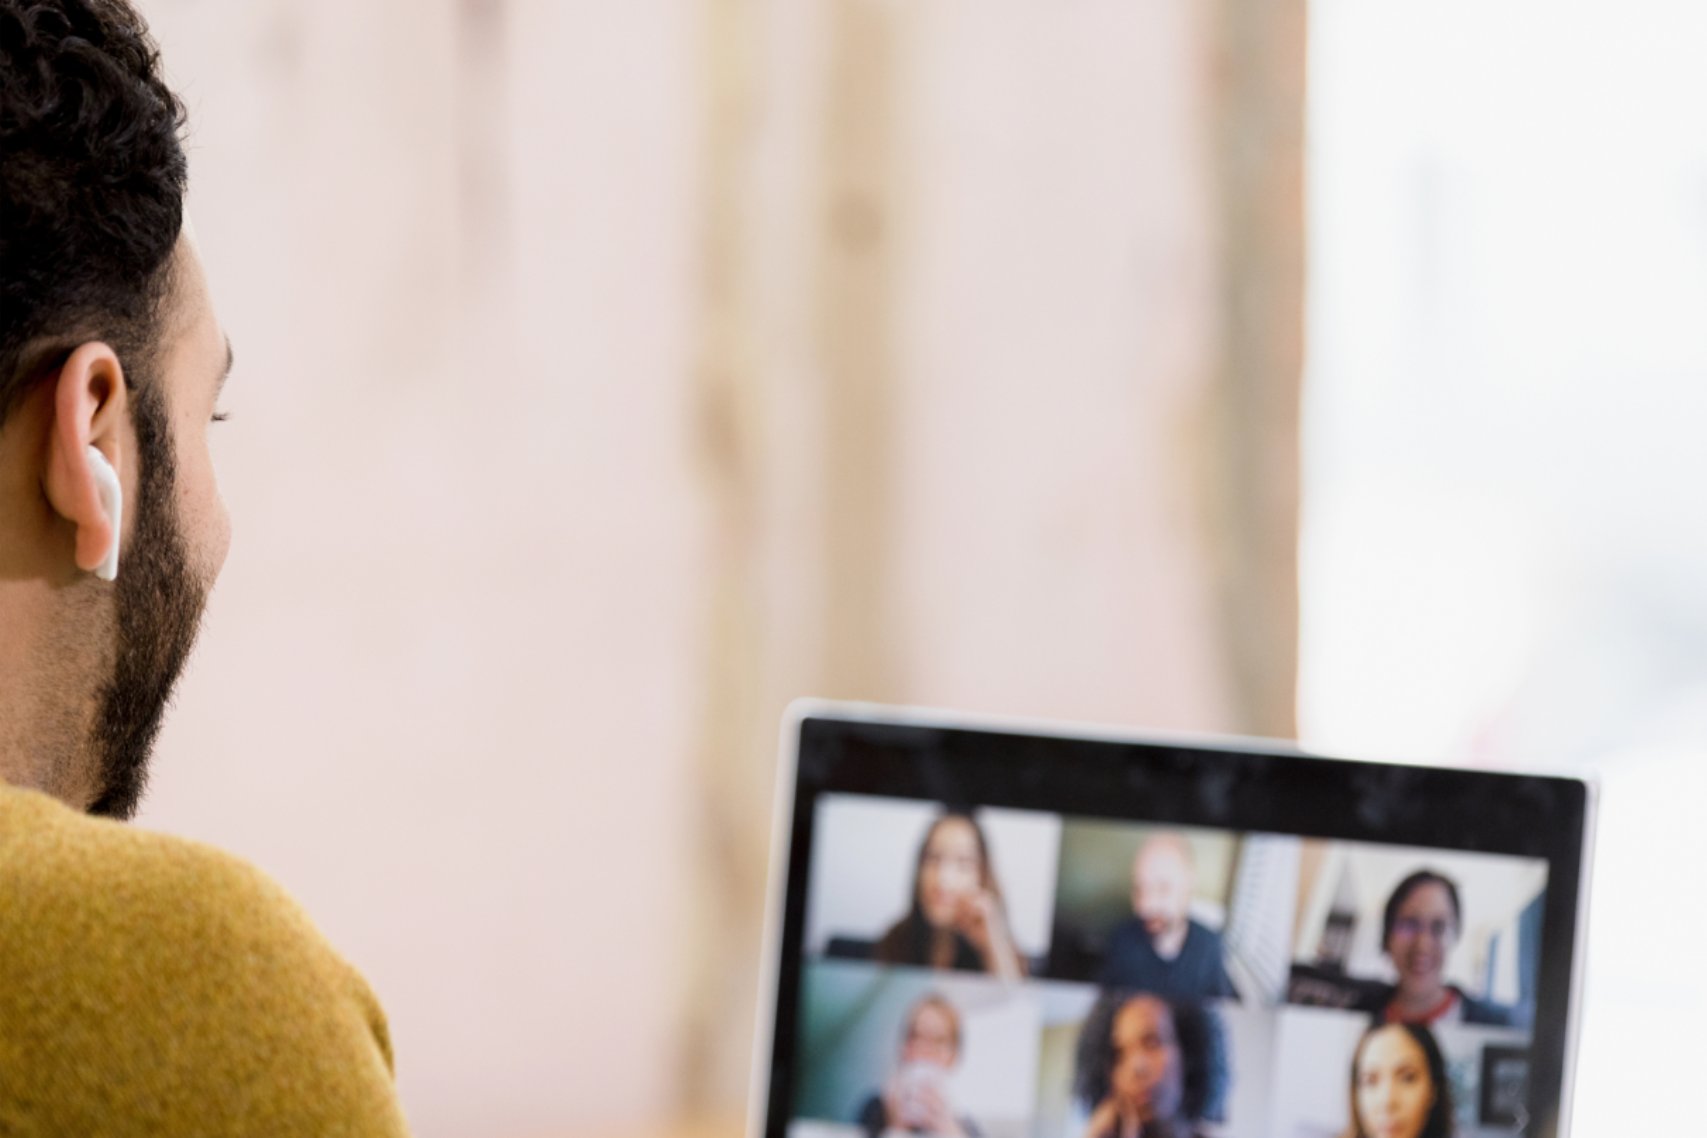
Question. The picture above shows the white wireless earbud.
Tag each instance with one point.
(112, 500)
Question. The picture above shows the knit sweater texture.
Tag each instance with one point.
(155, 986)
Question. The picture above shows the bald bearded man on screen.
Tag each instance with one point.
(148, 985)
(1160, 949)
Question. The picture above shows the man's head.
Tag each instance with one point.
(107, 340)
(1162, 881)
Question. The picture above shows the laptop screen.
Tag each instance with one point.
(1004, 935)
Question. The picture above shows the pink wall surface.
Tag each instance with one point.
(452, 685)
(446, 681)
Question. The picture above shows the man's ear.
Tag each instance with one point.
(90, 405)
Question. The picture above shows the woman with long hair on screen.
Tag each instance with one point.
(1419, 929)
(1398, 1085)
(956, 919)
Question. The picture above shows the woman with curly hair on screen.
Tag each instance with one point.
(1140, 1069)
(1399, 1087)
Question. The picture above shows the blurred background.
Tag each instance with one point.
(610, 374)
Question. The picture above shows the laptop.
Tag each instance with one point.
(992, 929)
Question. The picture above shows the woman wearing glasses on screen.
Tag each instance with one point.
(915, 1098)
(956, 919)
(1419, 929)
(1399, 1087)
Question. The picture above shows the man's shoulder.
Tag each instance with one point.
(160, 979)
(1130, 930)
(65, 873)
(1201, 933)
(136, 918)
(1128, 955)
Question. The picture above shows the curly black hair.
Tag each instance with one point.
(92, 181)
(1096, 1054)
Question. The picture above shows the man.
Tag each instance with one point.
(147, 985)
(1160, 949)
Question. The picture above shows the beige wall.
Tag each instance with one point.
(609, 374)
(447, 681)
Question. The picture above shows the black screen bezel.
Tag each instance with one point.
(1264, 788)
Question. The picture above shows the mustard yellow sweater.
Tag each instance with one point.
(153, 986)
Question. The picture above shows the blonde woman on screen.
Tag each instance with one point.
(915, 1099)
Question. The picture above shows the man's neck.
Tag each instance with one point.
(42, 729)
(28, 764)
(1170, 942)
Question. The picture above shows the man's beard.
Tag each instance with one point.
(158, 605)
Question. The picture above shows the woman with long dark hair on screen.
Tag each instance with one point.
(956, 919)
(1398, 1085)
(1419, 928)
